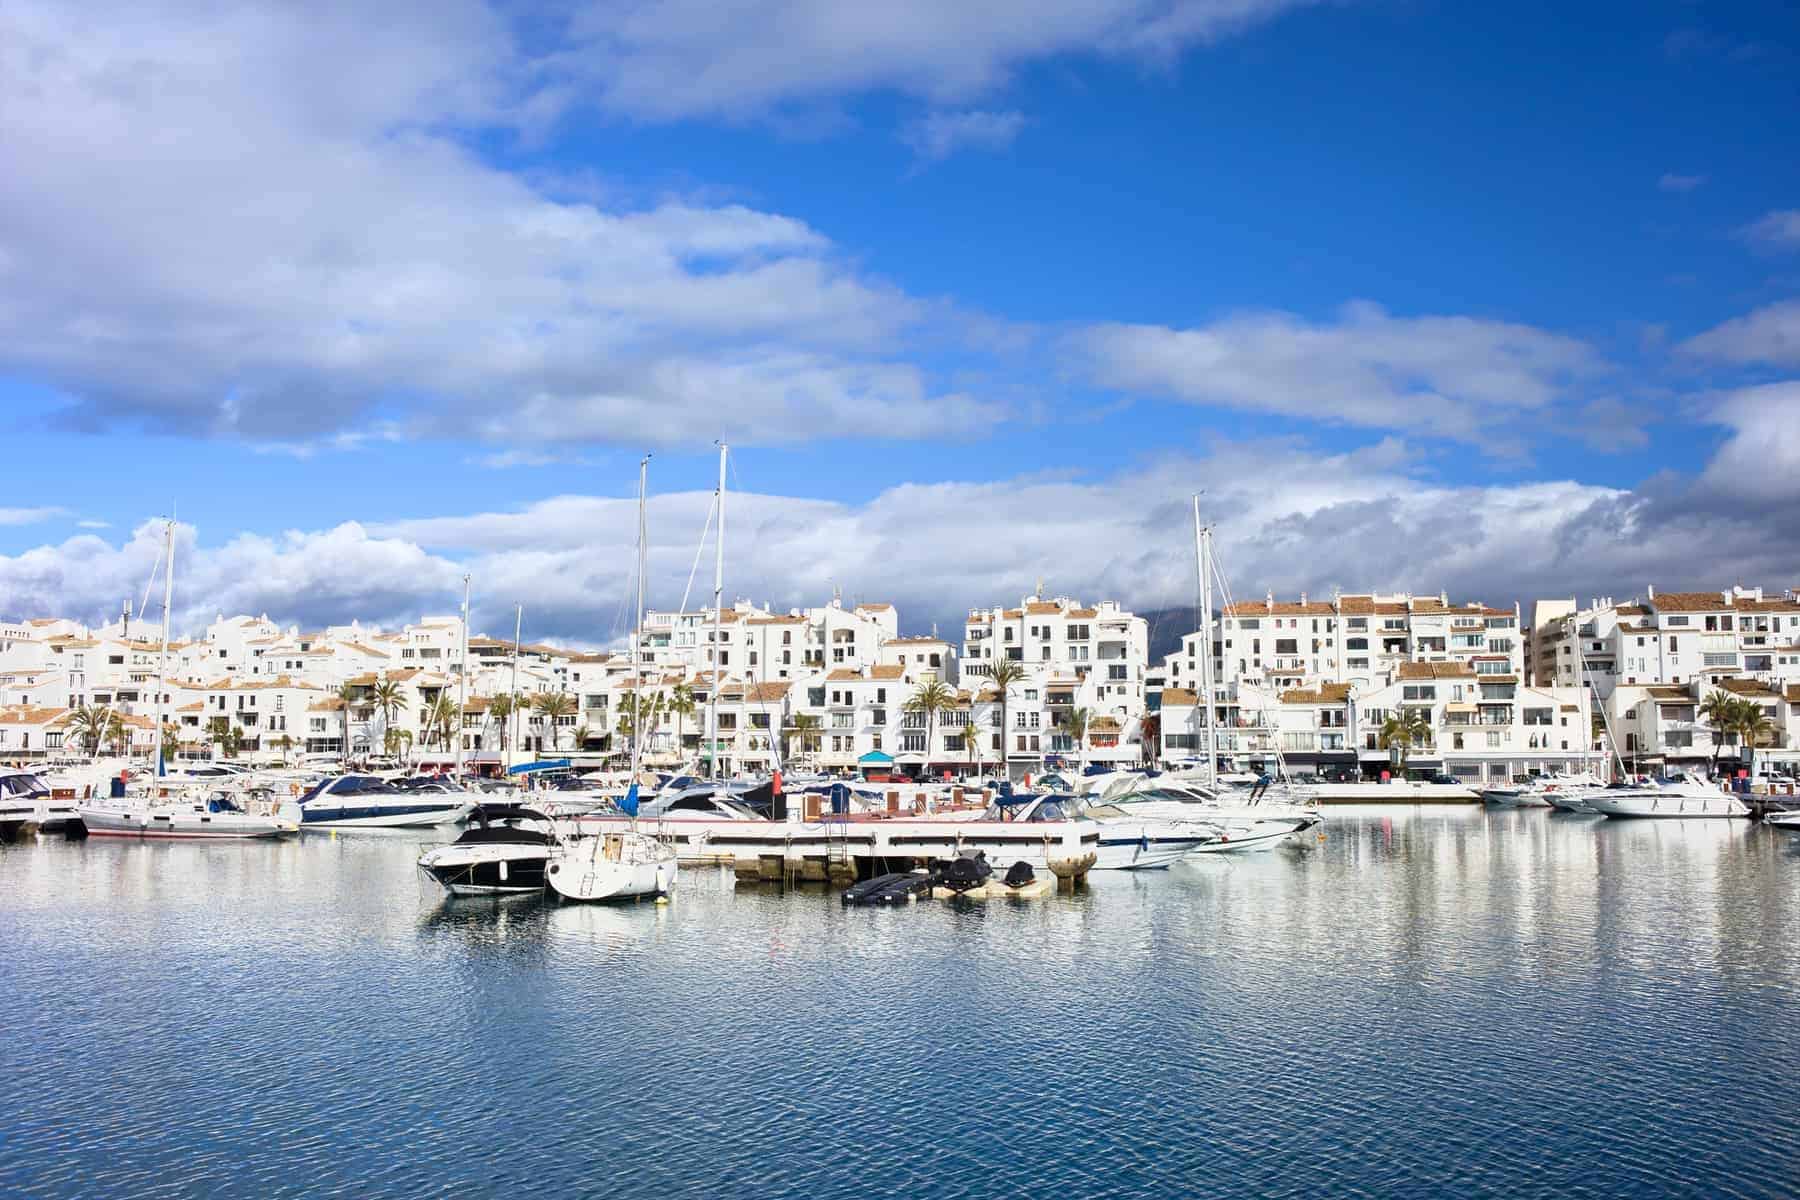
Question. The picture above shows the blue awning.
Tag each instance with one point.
(549, 764)
(876, 758)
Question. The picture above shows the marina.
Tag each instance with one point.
(1301, 999)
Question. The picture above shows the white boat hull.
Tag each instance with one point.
(412, 816)
(1247, 839)
(495, 869)
(1783, 820)
(1660, 803)
(181, 823)
(617, 867)
(1148, 849)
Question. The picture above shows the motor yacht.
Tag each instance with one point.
(371, 802)
(1688, 796)
(504, 854)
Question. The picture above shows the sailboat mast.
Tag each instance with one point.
(462, 681)
(1203, 578)
(718, 679)
(637, 627)
(512, 701)
(162, 653)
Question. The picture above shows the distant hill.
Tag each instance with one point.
(1167, 627)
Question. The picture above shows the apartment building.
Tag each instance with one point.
(764, 646)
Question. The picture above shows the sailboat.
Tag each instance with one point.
(215, 818)
(618, 864)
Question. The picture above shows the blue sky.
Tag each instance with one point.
(1324, 260)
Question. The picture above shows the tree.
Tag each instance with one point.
(347, 695)
(1004, 673)
(501, 709)
(88, 723)
(440, 718)
(284, 743)
(171, 741)
(226, 736)
(1719, 711)
(389, 698)
(1075, 723)
(553, 706)
(582, 734)
(803, 726)
(971, 735)
(680, 705)
(1405, 728)
(931, 698)
(116, 734)
(1754, 727)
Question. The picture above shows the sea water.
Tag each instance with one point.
(1423, 1002)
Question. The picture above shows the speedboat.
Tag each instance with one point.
(1257, 825)
(1552, 791)
(1686, 797)
(27, 802)
(623, 865)
(505, 855)
(1129, 841)
(1789, 819)
(370, 802)
(218, 816)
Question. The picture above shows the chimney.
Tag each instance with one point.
(1650, 591)
(1303, 599)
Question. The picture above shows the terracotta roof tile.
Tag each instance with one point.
(1178, 696)
(1680, 602)
(1436, 670)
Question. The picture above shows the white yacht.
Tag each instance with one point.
(216, 817)
(1129, 841)
(504, 855)
(27, 802)
(371, 802)
(1789, 819)
(1686, 797)
(1549, 791)
(1243, 826)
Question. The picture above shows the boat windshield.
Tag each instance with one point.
(1102, 812)
(22, 785)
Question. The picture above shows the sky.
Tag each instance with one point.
(1502, 301)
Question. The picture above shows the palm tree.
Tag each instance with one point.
(171, 741)
(284, 743)
(387, 696)
(1718, 711)
(971, 736)
(802, 726)
(437, 719)
(1004, 673)
(501, 709)
(89, 725)
(1754, 726)
(931, 698)
(1075, 724)
(582, 734)
(116, 734)
(226, 736)
(680, 705)
(552, 706)
(347, 695)
(1402, 730)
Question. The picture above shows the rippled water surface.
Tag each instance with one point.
(1426, 1002)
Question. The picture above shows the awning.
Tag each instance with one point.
(1459, 708)
(549, 764)
(876, 758)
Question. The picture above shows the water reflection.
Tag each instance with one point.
(1414, 1005)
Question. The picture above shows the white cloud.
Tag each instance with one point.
(30, 516)
(90, 523)
(1290, 518)
(1447, 376)
(1760, 461)
(1770, 334)
(250, 221)
(938, 135)
(1680, 183)
(666, 59)
(1779, 230)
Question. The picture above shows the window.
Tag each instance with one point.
(914, 742)
(1674, 644)
(1493, 739)
(1675, 620)
(1419, 691)
(1492, 668)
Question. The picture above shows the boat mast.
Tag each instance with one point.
(1203, 580)
(462, 682)
(718, 678)
(637, 626)
(162, 653)
(512, 701)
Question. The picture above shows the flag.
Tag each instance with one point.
(629, 805)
